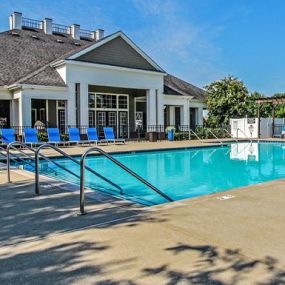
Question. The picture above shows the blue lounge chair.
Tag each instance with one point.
(8, 135)
(54, 136)
(92, 136)
(110, 137)
(31, 136)
(74, 136)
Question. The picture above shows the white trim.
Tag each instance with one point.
(188, 97)
(112, 67)
(124, 37)
(39, 87)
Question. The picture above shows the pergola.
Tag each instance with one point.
(273, 101)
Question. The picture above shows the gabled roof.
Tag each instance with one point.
(117, 50)
(176, 86)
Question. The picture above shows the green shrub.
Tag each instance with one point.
(180, 136)
(42, 136)
(202, 133)
(205, 133)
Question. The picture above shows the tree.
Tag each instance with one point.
(279, 109)
(252, 106)
(227, 98)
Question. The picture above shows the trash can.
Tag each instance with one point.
(170, 135)
(152, 136)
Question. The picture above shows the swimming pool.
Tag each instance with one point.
(182, 173)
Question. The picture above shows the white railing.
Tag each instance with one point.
(85, 34)
(61, 29)
(31, 23)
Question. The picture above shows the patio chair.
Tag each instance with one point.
(54, 136)
(74, 136)
(8, 136)
(110, 136)
(31, 136)
(92, 136)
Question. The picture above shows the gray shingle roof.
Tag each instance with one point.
(24, 54)
(176, 86)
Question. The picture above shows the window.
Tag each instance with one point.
(91, 118)
(101, 119)
(112, 118)
(91, 101)
(123, 102)
(61, 103)
(106, 101)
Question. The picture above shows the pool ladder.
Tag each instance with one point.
(81, 163)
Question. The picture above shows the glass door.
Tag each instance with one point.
(123, 124)
(61, 120)
(101, 122)
(112, 120)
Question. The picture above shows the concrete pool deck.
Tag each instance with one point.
(131, 146)
(196, 241)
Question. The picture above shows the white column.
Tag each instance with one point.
(172, 115)
(71, 111)
(151, 107)
(200, 116)
(84, 120)
(25, 110)
(47, 26)
(14, 112)
(16, 21)
(186, 113)
(75, 31)
(160, 107)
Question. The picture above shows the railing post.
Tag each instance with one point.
(8, 165)
(82, 179)
(37, 180)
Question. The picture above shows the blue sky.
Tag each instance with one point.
(197, 40)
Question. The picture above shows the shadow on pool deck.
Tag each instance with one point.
(44, 241)
(65, 264)
(25, 216)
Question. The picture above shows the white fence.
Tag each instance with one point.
(248, 127)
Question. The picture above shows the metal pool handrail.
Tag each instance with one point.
(215, 136)
(238, 129)
(17, 157)
(231, 135)
(128, 170)
(37, 154)
(12, 145)
(190, 130)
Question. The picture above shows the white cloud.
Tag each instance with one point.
(180, 46)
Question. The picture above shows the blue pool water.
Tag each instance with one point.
(181, 173)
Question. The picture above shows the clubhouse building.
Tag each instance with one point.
(60, 76)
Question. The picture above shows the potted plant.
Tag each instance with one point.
(170, 133)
